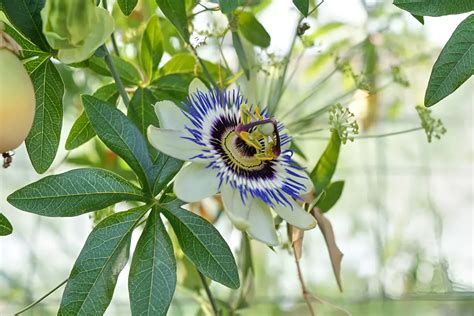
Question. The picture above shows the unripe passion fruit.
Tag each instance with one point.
(17, 101)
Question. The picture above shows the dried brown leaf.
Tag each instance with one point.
(335, 253)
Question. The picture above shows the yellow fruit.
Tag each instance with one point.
(17, 101)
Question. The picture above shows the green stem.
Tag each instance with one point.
(208, 292)
(116, 76)
(406, 131)
(112, 36)
(41, 298)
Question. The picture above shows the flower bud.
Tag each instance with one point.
(76, 28)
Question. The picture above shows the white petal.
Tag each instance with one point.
(235, 209)
(295, 215)
(254, 216)
(197, 84)
(262, 226)
(196, 182)
(170, 116)
(170, 142)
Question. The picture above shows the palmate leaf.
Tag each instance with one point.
(25, 16)
(93, 278)
(74, 193)
(152, 278)
(454, 65)
(43, 140)
(165, 169)
(120, 135)
(82, 131)
(203, 245)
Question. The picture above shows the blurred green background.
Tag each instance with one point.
(404, 222)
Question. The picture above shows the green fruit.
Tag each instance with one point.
(17, 101)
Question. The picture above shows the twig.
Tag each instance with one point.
(112, 36)
(116, 76)
(209, 293)
(41, 298)
(306, 294)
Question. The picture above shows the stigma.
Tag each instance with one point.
(259, 133)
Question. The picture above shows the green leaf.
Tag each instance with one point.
(105, 253)
(28, 49)
(420, 18)
(252, 30)
(74, 193)
(43, 140)
(172, 87)
(25, 17)
(239, 50)
(82, 131)
(302, 6)
(5, 226)
(326, 166)
(435, 7)
(127, 6)
(141, 111)
(228, 6)
(454, 65)
(333, 193)
(175, 11)
(127, 71)
(119, 134)
(165, 169)
(152, 278)
(151, 48)
(203, 245)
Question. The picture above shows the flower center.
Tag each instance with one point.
(259, 133)
(239, 154)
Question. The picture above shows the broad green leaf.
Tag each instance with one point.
(302, 6)
(152, 278)
(28, 49)
(454, 65)
(120, 135)
(333, 193)
(172, 87)
(43, 140)
(74, 193)
(151, 48)
(326, 166)
(105, 253)
(239, 50)
(185, 63)
(203, 245)
(252, 30)
(25, 17)
(127, 72)
(82, 131)
(435, 7)
(228, 6)
(141, 111)
(175, 11)
(165, 169)
(5, 226)
(127, 6)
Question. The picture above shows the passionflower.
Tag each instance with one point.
(76, 28)
(236, 149)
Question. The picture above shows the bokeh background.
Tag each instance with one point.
(404, 221)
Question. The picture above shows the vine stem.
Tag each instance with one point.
(209, 293)
(116, 76)
(41, 298)
(112, 36)
(306, 294)
(406, 131)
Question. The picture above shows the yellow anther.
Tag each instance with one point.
(250, 140)
(257, 112)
